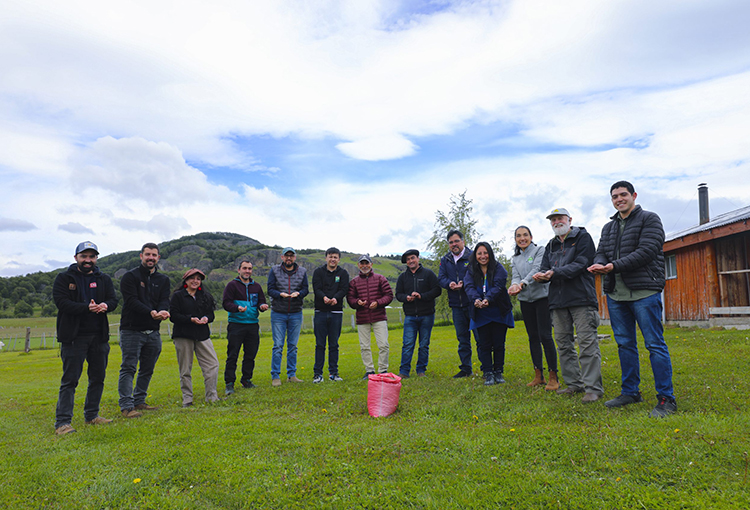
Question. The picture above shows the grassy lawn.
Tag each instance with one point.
(451, 444)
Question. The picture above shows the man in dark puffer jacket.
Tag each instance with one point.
(631, 256)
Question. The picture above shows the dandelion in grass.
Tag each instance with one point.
(676, 431)
(136, 480)
(475, 417)
(325, 411)
(618, 479)
(512, 430)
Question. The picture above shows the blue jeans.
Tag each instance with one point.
(285, 326)
(647, 313)
(137, 347)
(463, 334)
(327, 326)
(94, 351)
(414, 325)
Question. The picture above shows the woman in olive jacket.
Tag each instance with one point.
(191, 309)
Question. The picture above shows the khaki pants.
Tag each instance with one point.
(583, 369)
(207, 360)
(380, 329)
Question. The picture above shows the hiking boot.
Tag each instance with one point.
(367, 375)
(317, 379)
(64, 429)
(229, 389)
(294, 378)
(461, 374)
(335, 377)
(276, 382)
(98, 421)
(590, 397)
(421, 374)
(131, 413)
(248, 384)
(624, 400)
(145, 407)
(664, 408)
(499, 379)
(569, 390)
(403, 375)
(489, 378)
(538, 378)
(553, 384)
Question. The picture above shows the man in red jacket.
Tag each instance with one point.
(369, 294)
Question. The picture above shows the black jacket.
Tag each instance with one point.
(641, 251)
(182, 307)
(423, 281)
(454, 272)
(571, 284)
(496, 293)
(72, 306)
(330, 284)
(142, 292)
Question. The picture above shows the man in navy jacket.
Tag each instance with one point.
(451, 277)
(631, 256)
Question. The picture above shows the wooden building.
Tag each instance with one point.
(708, 271)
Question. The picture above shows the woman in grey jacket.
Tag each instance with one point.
(534, 306)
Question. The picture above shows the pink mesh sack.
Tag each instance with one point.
(383, 391)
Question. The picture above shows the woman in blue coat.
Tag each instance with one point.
(491, 311)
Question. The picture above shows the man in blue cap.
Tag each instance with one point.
(83, 295)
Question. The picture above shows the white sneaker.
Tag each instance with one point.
(318, 379)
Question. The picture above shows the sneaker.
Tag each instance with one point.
(98, 421)
(335, 377)
(569, 390)
(367, 375)
(499, 378)
(131, 413)
(588, 398)
(247, 385)
(403, 375)
(421, 374)
(64, 429)
(489, 378)
(229, 389)
(317, 379)
(187, 405)
(664, 408)
(276, 382)
(624, 400)
(294, 378)
(145, 407)
(462, 374)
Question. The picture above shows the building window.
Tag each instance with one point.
(671, 263)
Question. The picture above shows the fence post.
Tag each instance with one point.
(44, 340)
(354, 322)
(399, 316)
(27, 347)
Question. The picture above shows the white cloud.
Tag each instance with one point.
(161, 224)
(11, 224)
(75, 228)
(378, 148)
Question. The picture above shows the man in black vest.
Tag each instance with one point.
(631, 256)
(83, 296)
(145, 293)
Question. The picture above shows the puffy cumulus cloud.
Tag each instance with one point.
(75, 228)
(161, 224)
(14, 225)
(378, 148)
(135, 169)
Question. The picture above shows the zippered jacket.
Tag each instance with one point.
(370, 287)
(571, 284)
(423, 281)
(183, 307)
(280, 280)
(637, 254)
(454, 272)
(525, 265)
(143, 291)
(237, 294)
(496, 292)
(330, 284)
(73, 306)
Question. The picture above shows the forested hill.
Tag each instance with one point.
(214, 253)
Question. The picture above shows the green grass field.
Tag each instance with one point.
(451, 444)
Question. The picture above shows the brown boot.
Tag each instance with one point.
(553, 384)
(538, 378)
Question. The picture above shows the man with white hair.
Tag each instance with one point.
(573, 303)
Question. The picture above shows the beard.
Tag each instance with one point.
(85, 267)
(288, 264)
(561, 230)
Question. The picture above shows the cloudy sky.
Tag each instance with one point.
(349, 123)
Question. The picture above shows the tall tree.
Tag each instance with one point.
(458, 217)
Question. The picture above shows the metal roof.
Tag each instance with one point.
(723, 219)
